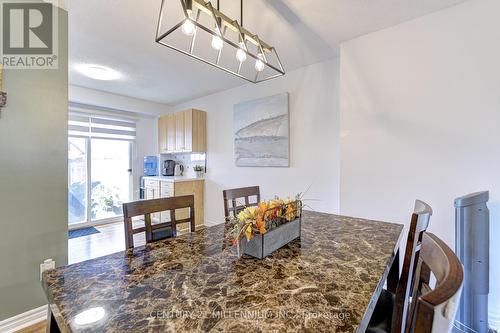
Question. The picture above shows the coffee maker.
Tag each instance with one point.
(168, 168)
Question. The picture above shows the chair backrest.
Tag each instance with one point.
(147, 207)
(237, 199)
(418, 225)
(433, 310)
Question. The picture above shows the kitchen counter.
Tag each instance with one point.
(174, 179)
(327, 281)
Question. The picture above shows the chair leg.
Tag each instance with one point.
(393, 277)
(51, 322)
(129, 236)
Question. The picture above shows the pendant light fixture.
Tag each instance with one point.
(197, 29)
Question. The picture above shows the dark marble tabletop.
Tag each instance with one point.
(326, 281)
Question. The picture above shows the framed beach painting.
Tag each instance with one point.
(261, 132)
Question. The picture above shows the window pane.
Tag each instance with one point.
(110, 186)
(77, 182)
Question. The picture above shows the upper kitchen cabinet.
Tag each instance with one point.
(166, 133)
(170, 132)
(195, 131)
(180, 130)
(183, 132)
(162, 134)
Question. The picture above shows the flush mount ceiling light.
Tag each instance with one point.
(98, 72)
(197, 29)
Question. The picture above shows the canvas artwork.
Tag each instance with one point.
(261, 132)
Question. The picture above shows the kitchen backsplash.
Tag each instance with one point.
(188, 160)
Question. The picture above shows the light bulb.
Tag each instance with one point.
(259, 64)
(188, 27)
(241, 55)
(217, 43)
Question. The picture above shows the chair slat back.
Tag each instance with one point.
(147, 207)
(235, 197)
(418, 225)
(435, 309)
(240, 199)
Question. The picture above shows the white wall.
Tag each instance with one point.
(420, 115)
(146, 144)
(313, 140)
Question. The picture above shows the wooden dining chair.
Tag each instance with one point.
(392, 307)
(158, 231)
(433, 310)
(235, 200)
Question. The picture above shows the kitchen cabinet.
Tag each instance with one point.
(152, 191)
(170, 137)
(179, 131)
(195, 130)
(183, 131)
(162, 134)
(166, 191)
(166, 133)
(155, 189)
(197, 189)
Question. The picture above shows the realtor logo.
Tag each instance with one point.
(27, 28)
(29, 34)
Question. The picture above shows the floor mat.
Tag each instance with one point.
(82, 232)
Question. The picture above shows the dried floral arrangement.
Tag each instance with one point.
(264, 217)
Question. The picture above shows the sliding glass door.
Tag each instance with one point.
(99, 181)
(99, 168)
(77, 180)
(110, 174)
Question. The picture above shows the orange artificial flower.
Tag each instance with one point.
(261, 220)
(290, 211)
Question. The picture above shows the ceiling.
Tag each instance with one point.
(120, 34)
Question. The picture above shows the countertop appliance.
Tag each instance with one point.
(179, 169)
(168, 168)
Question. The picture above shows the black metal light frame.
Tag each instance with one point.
(220, 19)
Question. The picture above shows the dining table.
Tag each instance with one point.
(328, 280)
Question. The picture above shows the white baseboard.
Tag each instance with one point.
(210, 223)
(23, 320)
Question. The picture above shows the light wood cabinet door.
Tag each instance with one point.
(179, 131)
(195, 188)
(152, 191)
(171, 130)
(166, 191)
(199, 131)
(162, 134)
(195, 138)
(188, 130)
(149, 193)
